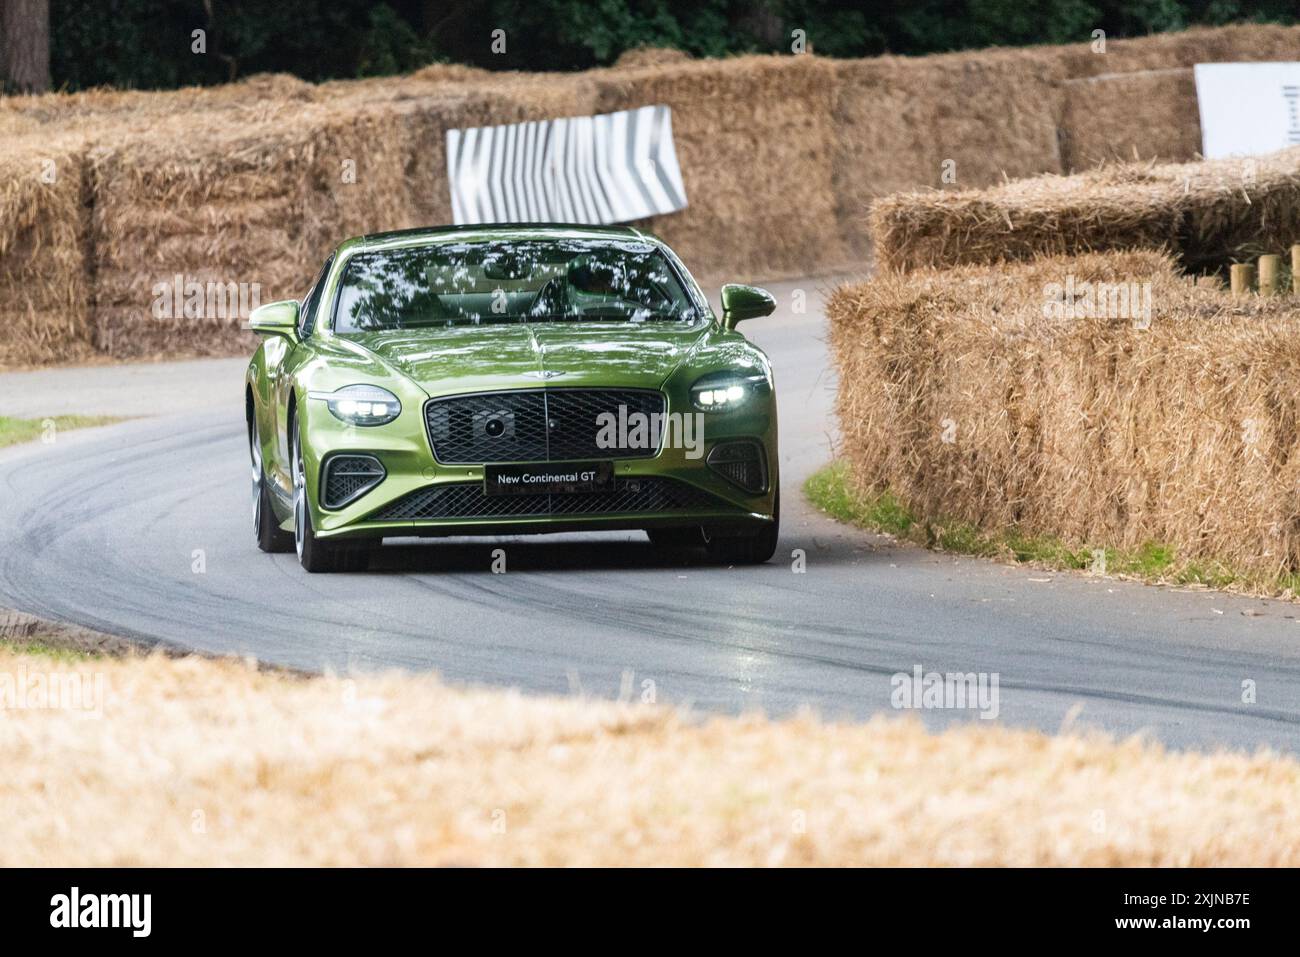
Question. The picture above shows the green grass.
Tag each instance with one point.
(831, 491)
(34, 646)
(13, 431)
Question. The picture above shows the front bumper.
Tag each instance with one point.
(420, 497)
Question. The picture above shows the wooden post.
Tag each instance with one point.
(1243, 274)
(1295, 268)
(1270, 275)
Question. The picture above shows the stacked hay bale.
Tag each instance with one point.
(989, 115)
(755, 140)
(196, 204)
(958, 120)
(43, 269)
(974, 395)
(246, 183)
(1246, 43)
(256, 201)
(1147, 115)
(1205, 213)
(417, 125)
(650, 56)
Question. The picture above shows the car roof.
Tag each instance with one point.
(491, 231)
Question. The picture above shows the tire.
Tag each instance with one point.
(314, 554)
(270, 537)
(671, 538)
(751, 548)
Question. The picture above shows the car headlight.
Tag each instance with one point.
(722, 391)
(361, 404)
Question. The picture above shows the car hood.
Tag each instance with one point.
(518, 356)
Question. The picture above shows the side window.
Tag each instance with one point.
(311, 302)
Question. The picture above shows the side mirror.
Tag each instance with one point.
(744, 302)
(275, 319)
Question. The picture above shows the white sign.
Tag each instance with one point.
(1248, 109)
(610, 168)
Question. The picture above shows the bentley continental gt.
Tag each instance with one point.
(507, 380)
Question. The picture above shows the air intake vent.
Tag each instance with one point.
(467, 500)
(742, 464)
(348, 477)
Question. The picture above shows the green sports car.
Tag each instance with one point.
(505, 380)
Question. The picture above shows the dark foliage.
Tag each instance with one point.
(150, 43)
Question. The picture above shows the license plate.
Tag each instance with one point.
(555, 479)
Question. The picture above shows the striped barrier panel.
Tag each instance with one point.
(611, 168)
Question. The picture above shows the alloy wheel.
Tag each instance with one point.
(255, 453)
(299, 494)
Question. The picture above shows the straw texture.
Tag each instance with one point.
(965, 395)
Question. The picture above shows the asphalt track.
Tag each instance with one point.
(143, 529)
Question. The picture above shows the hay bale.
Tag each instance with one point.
(1002, 114)
(1147, 115)
(755, 140)
(261, 202)
(220, 204)
(780, 155)
(992, 114)
(436, 73)
(1245, 43)
(1205, 213)
(106, 110)
(650, 56)
(958, 393)
(43, 270)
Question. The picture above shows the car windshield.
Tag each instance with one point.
(485, 282)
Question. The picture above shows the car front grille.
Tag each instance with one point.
(348, 477)
(538, 425)
(468, 500)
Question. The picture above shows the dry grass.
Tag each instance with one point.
(212, 763)
(1087, 429)
(1206, 213)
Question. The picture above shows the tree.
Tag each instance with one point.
(25, 45)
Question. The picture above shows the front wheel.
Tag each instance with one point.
(314, 554)
(750, 548)
(270, 538)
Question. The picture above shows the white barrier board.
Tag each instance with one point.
(610, 168)
(1247, 109)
